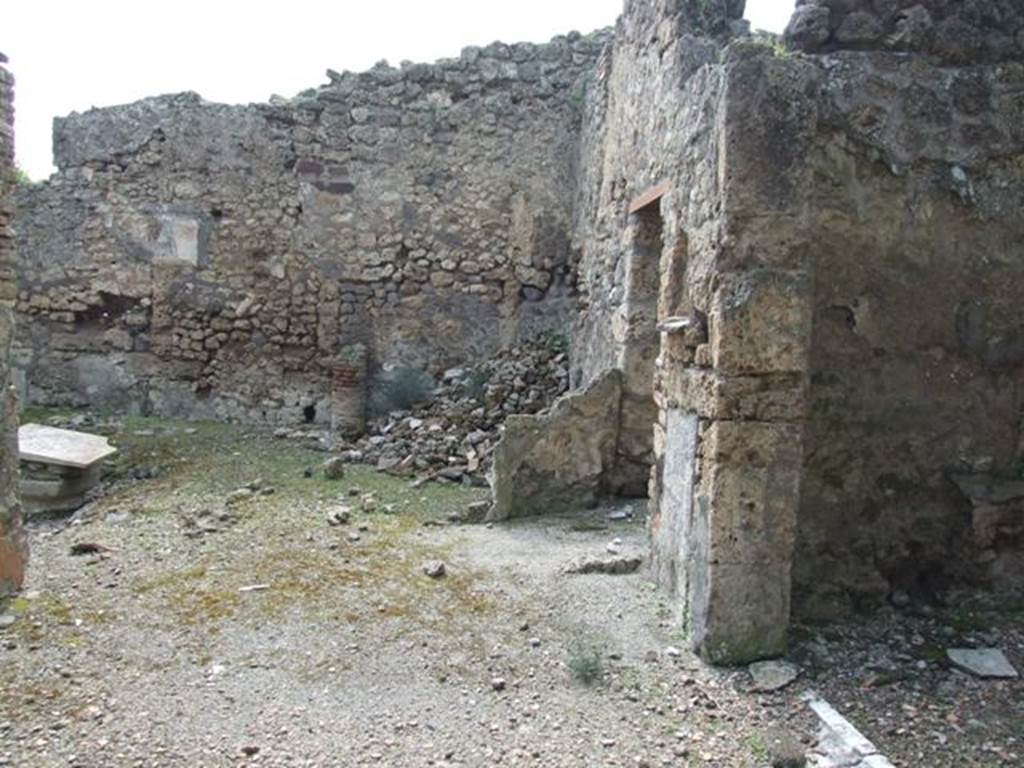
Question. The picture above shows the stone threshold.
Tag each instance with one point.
(840, 744)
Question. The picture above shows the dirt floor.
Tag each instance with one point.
(214, 608)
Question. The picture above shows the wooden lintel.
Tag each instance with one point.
(652, 195)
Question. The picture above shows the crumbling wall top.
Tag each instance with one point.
(538, 71)
(953, 31)
(711, 18)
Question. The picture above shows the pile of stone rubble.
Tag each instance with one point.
(451, 436)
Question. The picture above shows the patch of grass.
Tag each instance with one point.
(36, 415)
(932, 652)
(758, 747)
(969, 621)
(198, 463)
(586, 659)
(377, 579)
(587, 526)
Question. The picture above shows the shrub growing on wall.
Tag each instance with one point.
(400, 389)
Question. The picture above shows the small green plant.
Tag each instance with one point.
(758, 748)
(556, 341)
(475, 384)
(773, 41)
(400, 389)
(969, 621)
(20, 177)
(586, 660)
(352, 353)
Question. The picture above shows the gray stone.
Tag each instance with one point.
(435, 569)
(61, 447)
(334, 468)
(612, 564)
(238, 496)
(339, 516)
(809, 27)
(770, 676)
(982, 662)
(859, 28)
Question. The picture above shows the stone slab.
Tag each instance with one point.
(982, 662)
(770, 676)
(63, 447)
(840, 744)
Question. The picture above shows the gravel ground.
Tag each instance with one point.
(239, 609)
(255, 632)
(890, 676)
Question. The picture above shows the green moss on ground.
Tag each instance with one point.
(174, 468)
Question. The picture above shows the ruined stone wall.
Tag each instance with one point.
(687, 293)
(13, 547)
(211, 260)
(913, 469)
(950, 31)
(652, 113)
(840, 364)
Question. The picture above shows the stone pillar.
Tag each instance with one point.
(13, 544)
(731, 380)
(729, 453)
(348, 391)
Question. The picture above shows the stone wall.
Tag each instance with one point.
(651, 121)
(796, 275)
(914, 429)
(709, 328)
(13, 546)
(837, 361)
(210, 260)
(950, 31)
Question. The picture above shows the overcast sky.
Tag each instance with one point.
(71, 55)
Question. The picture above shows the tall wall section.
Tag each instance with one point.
(691, 161)
(13, 546)
(652, 120)
(914, 461)
(210, 260)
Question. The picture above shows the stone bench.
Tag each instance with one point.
(58, 467)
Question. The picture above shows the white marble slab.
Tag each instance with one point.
(62, 447)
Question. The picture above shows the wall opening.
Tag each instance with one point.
(640, 347)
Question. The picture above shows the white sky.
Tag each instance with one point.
(71, 55)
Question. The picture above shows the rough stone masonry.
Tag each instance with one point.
(792, 269)
(198, 259)
(13, 544)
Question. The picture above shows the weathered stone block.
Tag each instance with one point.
(751, 487)
(773, 397)
(178, 240)
(674, 539)
(740, 612)
(760, 322)
(558, 460)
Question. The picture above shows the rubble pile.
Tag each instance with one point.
(451, 436)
